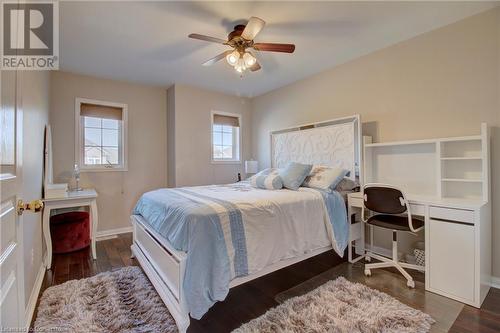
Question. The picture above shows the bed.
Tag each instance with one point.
(195, 243)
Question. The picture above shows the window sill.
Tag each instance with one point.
(225, 162)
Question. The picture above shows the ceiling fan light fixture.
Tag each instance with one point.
(249, 59)
(240, 66)
(233, 57)
(241, 39)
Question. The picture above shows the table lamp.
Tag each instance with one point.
(251, 167)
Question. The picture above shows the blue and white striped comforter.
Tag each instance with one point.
(234, 230)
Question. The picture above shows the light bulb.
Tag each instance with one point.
(249, 59)
(241, 63)
(233, 57)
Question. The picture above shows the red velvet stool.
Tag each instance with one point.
(69, 231)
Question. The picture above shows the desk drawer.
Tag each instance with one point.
(417, 209)
(356, 202)
(451, 214)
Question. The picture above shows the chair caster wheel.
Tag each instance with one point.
(368, 259)
(410, 283)
(368, 272)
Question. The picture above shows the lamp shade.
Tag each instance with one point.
(251, 166)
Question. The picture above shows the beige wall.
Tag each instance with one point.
(171, 136)
(191, 154)
(442, 83)
(147, 142)
(34, 88)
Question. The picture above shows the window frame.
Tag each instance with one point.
(79, 132)
(237, 160)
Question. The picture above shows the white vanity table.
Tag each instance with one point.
(447, 182)
(70, 199)
(84, 198)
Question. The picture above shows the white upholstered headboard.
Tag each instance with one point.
(334, 143)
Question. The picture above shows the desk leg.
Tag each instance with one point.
(362, 242)
(93, 227)
(46, 234)
(349, 247)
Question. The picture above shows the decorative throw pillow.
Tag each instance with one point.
(293, 174)
(324, 178)
(268, 179)
(346, 184)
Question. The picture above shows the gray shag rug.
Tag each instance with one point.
(117, 301)
(341, 306)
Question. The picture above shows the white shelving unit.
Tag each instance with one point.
(446, 181)
(444, 167)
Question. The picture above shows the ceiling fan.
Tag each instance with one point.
(241, 39)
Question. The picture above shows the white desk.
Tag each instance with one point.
(87, 197)
(457, 245)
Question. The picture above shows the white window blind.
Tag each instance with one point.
(226, 120)
(100, 111)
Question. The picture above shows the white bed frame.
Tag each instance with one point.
(165, 266)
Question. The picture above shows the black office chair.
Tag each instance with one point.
(388, 204)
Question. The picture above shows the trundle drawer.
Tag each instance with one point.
(164, 263)
(452, 214)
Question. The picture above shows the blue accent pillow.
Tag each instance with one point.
(268, 179)
(293, 174)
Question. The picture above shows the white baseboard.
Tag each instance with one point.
(112, 233)
(495, 282)
(35, 292)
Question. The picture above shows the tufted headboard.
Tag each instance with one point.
(334, 143)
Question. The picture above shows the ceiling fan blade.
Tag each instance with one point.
(253, 27)
(208, 38)
(217, 58)
(274, 47)
(255, 67)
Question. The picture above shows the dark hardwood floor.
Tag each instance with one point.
(486, 319)
(250, 300)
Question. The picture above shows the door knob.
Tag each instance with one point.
(33, 206)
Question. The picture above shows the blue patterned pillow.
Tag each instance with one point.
(268, 179)
(293, 174)
(324, 178)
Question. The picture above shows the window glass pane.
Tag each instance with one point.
(227, 139)
(227, 152)
(110, 123)
(217, 128)
(227, 128)
(92, 122)
(217, 151)
(110, 155)
(92, 155)
(217, 138)
(110, 137)
(92, 137)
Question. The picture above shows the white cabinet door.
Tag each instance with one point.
(451, 259)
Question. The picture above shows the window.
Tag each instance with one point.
(225, 137)
(101, 136)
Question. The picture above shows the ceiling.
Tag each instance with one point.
(146, 42)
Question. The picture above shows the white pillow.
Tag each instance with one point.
(324, 178)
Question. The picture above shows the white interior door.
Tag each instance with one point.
(11, 249)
